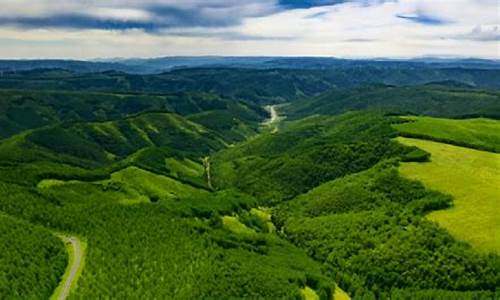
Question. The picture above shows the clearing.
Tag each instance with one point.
(309, 294)
(472, 177)
(483, 134)
(234, 225)
(340, 294)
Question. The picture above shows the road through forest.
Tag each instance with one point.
(77, 259)
(274, 118)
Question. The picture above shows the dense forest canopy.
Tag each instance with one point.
(279, 179)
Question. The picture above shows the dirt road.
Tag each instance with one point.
(206, 164)
(274, 118)
(76, 259)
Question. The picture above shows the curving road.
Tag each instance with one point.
(71, 277)
(274, 114)
(206, 164)
(274, 117)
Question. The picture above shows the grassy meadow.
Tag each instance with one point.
(477, 133)
(340, 294)
(429, 100)
(472, 177)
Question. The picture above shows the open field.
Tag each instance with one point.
(340, 294)
(436, 101)
(483, 134)
(309, 294)
(136, 185)
(144, 186)
(472, 177)
(234, 225)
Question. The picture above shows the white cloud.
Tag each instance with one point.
(353, 29)
(121, 14)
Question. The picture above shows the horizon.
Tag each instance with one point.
(344, 29)
(119, 58)
(249, 149)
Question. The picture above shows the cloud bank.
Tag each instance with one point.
(355, 28)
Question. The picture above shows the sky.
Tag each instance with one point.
(89, 29)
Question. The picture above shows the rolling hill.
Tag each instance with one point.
(370, 229)
(462, 166)
(181, 191)
(260, 86)
(429, 100)
(107, 142)
(163, 64)
(304, 154)
(21, 110)
(482, 134)
(472, 177)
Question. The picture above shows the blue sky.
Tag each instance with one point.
(148, 28)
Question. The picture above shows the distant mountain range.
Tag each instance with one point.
(164, 64)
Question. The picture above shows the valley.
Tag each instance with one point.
(229, 183)
(274, 117)
(250, 150)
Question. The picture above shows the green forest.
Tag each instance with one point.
(182, 186)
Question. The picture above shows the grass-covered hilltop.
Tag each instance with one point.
(316, 181)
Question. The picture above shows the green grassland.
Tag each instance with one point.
(483, 134)
(143, 185)
(340, 295)
(309, 294)
(472, 177)
(234, 225)
(135, 186)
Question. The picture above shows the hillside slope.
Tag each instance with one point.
(472, 177)
(21, 110)
(260, 86)
(483, 134)
(417, 100)
(97, 144)
(304, 154)
(370, 229)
